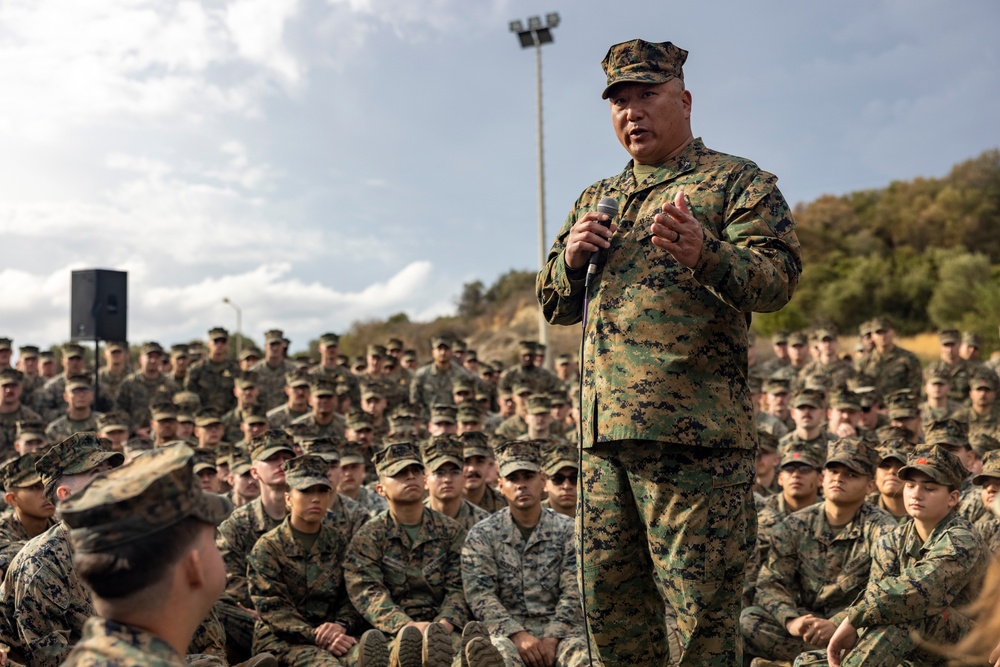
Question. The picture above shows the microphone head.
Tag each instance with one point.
(608, 206)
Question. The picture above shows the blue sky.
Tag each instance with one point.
(320, 162)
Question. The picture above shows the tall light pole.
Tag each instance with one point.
(239, 325)
(535, 35)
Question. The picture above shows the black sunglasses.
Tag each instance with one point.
(559, 479)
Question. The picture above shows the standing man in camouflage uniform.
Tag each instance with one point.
(956, 368)
(12, 410)
(111, 377)
(519, 570)
(41, 584)
(329, 367)
(27, 363)
(212, 378)
(78, 416)
(442, 456)
(819, 560)
(156, 385)
(827, 369)
(272, 370)
(892, 367)
(297, 391)
(51, 403)
(180, 360)
(324, 418)
(540, 380)
(807, 413)
(432, 383)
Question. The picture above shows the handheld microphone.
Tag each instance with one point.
(609, 207)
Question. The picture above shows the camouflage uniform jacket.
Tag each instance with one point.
(13, 537)
(834, 374)
(371, 502)
(541, 380)
(512, 428)
(817, 446)
(31, 387)
(44, 600)
(899, 369)
(8, 427)
(392, 582)
(237, 536)
(929, 414)
(107, 643)
(133, 399)
(513, 586)
(49, 401)
(665, 348)
(387, 386)
(282, 416)
(271, 381)
(344, 376)
(468, 514)
(492, 500)
(64, 427)
(160, 389)
(297, 591)
(971, 506)
(980, 423)
(911, 581)
(814, 569)
(431, 385)
(110, 383)
(213, 382)
(231, 421)
(335, 429)
(989, 529)
(770, 424)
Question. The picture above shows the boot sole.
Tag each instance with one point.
(373, 650)
(482, 653)
(437, 646)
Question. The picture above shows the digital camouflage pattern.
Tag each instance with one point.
(237, 536)
(44, 600)
(49, 401)
(8, 427)
(492, 500)
(817, 447)
(157, 390)
(432, 386)
(643, 62)
(541, 380)
(213, 383)
(514, 586)
(392, 581)
(282, 416)
(271, 381)
(64, 427)
(337, 428)
(106, 643)
(665, 350)
(371, 502)
(295, 590)
(468, 514)
(340, 375)
(916, 588)
(13, 537)
(512, 428)
(811, 569)
(893, 371)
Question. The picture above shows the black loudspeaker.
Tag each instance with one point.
(99, 305)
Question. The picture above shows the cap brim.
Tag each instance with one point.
(351, 460)
(932, 472)
(395, 467)
(438, 461)
(514, 466)
(198, 467)
(30, 480)
(635, 79)
(559, 465)
(241, 469)
(302, 483)
(271, 451)
(94, 460)
(978, 480)
(469, 452)
(850, 463)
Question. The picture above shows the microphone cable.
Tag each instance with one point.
(582, 492)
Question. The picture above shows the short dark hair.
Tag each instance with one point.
(133, 567)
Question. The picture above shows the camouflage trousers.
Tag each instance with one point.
(571, 651)
(891, 645)
(766, 638)
(305, 655)
(665, 523)
(239, 625)
(456, 647)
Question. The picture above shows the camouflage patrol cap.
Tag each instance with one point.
(937, 373)
(526, 347)
(46, 355)
(640, 61)
(77, 454)
(180, 350)
(329, 340)
(468, 413)
(207, 417)
(949, 336)
(564, 360)
(6, 344)
(440, 450)
(152, 347)
(894, 449)
(376, 350)
(70, 350)
(184, 418)
(937, 463)
(902, 404)
(539, 404)
(981, 380)
(155, 491)
(254, 414)
(776, 386)
(322, 446)
(246, 380)
(394, 345)
(802, 456)
(866, 328)
(521, 388)
(982, 443)
(808, 398)
(475, 443)
(301, 430)
(359, 421)
(823, 333)
(352, 452)
(371, 391)
(798, 339)
(297, 378)
(558, 455)
(321, 386)
(20, 472)
(11, 376)
(845, 399)
(204, 459)
(472, 355)
(558, 398)
(767, 442)
(392, 459)
(269, 443)
(239, 463)
(275, 336)
(514, 455)
(947, 432)
(188, 401)
(779, 338)
(439, 341)
(409, 355)
(399, 425)
(991, 468)
(459, 345)
(79, 382)
(462, 384)
(163, 412)
(971, 339)
(855, 453)
(28, 352)
(112, 421)
(306, 471)
(29, 427)
(360, 363)
(881, 324)
(218, 332)
(250, 353)
(442, 413)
